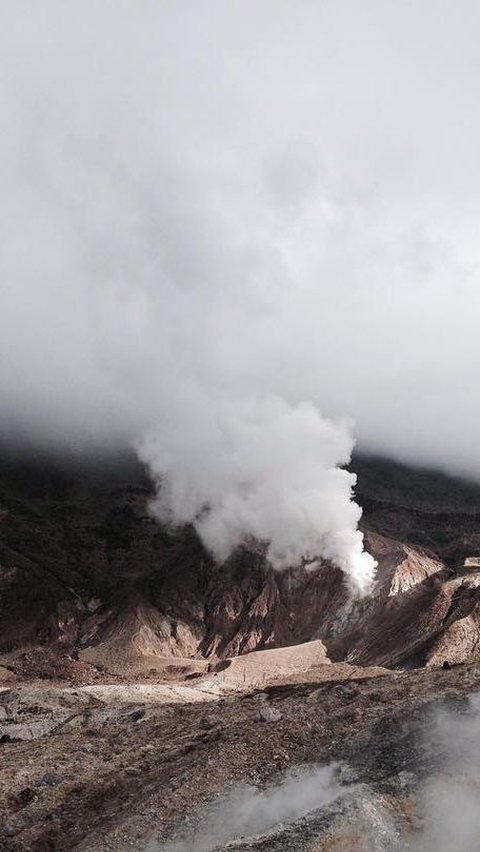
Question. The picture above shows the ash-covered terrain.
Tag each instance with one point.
(151, 699)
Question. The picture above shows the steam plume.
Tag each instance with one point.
(248, 811)
(266, 470)
(228, 228)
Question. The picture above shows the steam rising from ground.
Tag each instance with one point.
(266, 471)
(224, 223)
(446, 810)
(248, 811)
(448, 804)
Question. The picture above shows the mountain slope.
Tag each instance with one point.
(86, 573)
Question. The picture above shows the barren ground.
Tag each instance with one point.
(119, 766)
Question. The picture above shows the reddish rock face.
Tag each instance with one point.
(84, 570)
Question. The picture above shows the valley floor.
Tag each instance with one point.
(130, 766)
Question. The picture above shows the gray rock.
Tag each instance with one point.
(10, 829)
(269, 714)
(52, 779)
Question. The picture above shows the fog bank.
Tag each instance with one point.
(235, 235)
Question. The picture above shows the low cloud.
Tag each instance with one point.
(236, 236)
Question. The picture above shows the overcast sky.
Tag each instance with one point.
(212, 208)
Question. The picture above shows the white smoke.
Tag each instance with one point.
(228, 228)
(266, 470)
(247, 811)
(443, 813)
(147, 285)
(449, 806)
